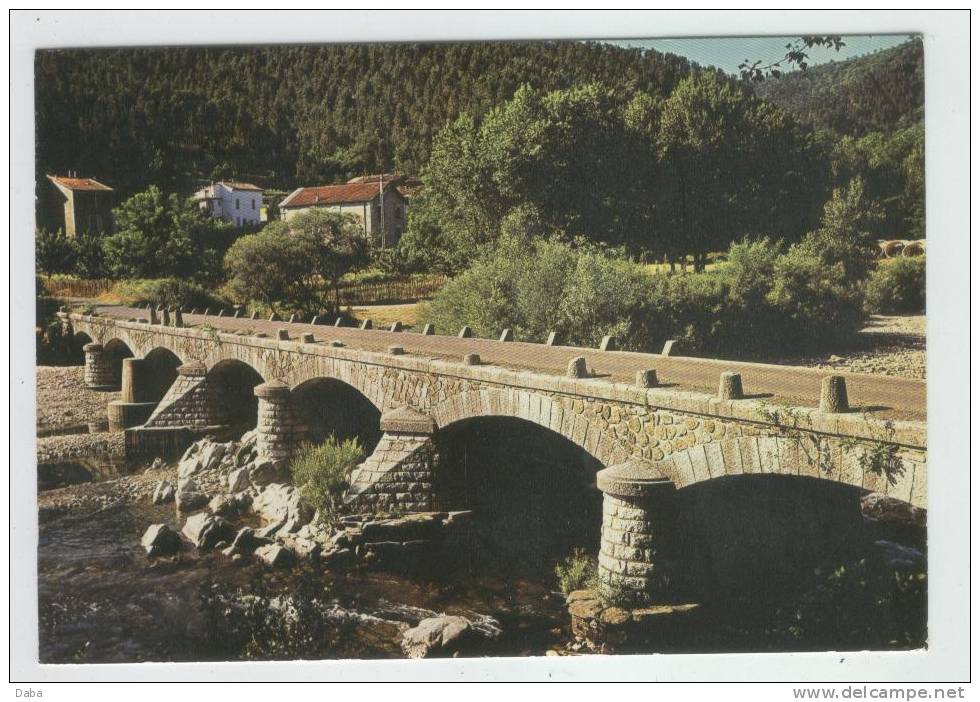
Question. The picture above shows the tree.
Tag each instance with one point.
(159, 235)
(297, 264)
(795, 55)
(733, 166)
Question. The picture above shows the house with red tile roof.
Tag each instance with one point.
(233, 201)
(77, 206)
(373, 200)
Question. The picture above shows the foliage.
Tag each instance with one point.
(880, 92)
(171, 292)
(297, 264)
(536, 286)
(576, 572)
(162, 235)
(321, 121)
(795, 56)
(322, 473)
(55, 252)
(897, 286)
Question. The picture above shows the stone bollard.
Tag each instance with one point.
(165, 320)
(99, 371)
(506, 335)
(471, 359)
(577, 368)
(308, 338)
(337, 343)
(279, 430)
(274, 317)
(339, 322)
(238, 312)
(282, 334)
(636, 528)
(465, 333)
(428, 330)
(254, 315)
(134, 405)
(606, 344)
(292, 319)
(833, 394)
(668, 349)
(207, 311)
(178, 318)
(154, 319)
(315, 320)
(193, 310)
(646, 378)
(396, 350)
(221, 312)
(552, 339)
(367, 324)
(395, 327)
(730, 386)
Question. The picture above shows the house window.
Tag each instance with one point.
(253, 203)
(238, 204)
(398, 212)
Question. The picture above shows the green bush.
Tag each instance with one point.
(535, 286)
(897, 286)
(322, 473)
(577, 571)
(172, 292)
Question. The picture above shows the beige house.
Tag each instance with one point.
(85, 205)
(374, 200)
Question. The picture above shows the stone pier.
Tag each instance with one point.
(99, 371)
(135, 406)
(280, 429)
(635, 527)
(397, 477)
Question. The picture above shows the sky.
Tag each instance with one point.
(727, 53)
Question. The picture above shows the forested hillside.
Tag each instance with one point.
(284, 116)
(879, 92)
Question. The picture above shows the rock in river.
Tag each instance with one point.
(163, 493)
(160, 540)
(434, 636)
(206, 530)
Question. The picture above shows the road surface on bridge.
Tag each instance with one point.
(883, 396)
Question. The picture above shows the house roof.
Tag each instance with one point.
(375, 178)
(238, 185)
(331, 195)
(78, 183)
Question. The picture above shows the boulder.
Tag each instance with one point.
(423, 525)
(245, 541)
(336, 557)
(898, 557)
(238, 480)
(283, 505)
(302, 547)
(205, 530)
(229, 505)
(164, 493)
(442, 635)
(211, 455)
(188, 495)
(160, 540)
(274, 555)
(244, 455)
(267, 473)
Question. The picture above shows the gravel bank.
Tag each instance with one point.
(63, 400)
(90, 497)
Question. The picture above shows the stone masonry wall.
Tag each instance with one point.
(184, 405)
(397, 476)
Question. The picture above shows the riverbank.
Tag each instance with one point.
(63, 401)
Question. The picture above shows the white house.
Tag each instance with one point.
(238, 203)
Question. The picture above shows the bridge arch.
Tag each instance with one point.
(561, 417)
(162, 364)
(231, 396)
(531, 490)
(328, 405)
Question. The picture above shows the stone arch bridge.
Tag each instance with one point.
(656, 424)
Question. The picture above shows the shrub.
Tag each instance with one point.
(172, 292)
(576, 572)
(322, 473)
(897, 286)
(534, 286)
